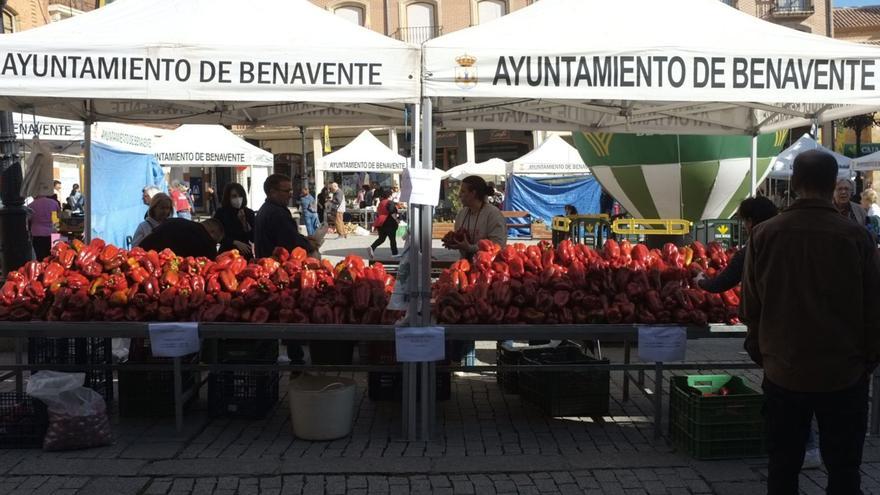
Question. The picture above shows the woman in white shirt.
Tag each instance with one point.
(869, 202)
(159, 211)
(477, 219)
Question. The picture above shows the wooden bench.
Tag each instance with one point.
(518, 215)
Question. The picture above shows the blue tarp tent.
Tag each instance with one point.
(118, 179)
(546, 200)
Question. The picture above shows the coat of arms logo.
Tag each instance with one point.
(466, 72)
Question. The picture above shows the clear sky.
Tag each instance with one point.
(854, 3)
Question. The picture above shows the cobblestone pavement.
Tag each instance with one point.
(487, 442)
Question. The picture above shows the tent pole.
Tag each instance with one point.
(87, 166)
(305, 171)
(753, 167)
(425, 220)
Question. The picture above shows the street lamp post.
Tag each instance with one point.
(15, 238)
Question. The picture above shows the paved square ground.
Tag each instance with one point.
(487, 442)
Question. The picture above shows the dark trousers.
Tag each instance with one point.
(42, 246)
(389, 233)
(842, 418)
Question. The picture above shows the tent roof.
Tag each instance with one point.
(553, 156)
(152, 57)
(493, 167)
(208, 146)
(781, 167)
(867, 162)
(364, 153)
(599, 66)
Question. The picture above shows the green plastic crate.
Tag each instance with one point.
(741, 406)
(716, 427)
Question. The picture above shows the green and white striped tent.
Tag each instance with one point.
(686, 176)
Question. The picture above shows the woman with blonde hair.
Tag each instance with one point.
(869, 202)
(161, 207)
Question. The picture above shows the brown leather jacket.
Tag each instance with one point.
(811, 299)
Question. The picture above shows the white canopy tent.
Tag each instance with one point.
(208, 61)
(552, 157)
(365, 153)
(781, 166)
(591, 65)
(867, 162)
(193, 145)
(490, 169)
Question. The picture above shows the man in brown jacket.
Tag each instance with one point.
(811, 300)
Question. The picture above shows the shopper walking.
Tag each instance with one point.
(386, 224)
(337, 209)
(237, 219)
(810, 286)
(160, 209)
(308, 206)
(323, 199)
(41, 221)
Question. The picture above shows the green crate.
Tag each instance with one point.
(717, 449)
(719, 426)
(743, 405)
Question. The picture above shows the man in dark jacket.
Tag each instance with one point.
(810, 291)
(185, 237)
(275, 226)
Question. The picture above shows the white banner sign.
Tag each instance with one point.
(174, 339)
(417, 345)
(662, 344)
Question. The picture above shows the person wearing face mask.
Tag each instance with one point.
(161, 207)
(237, 219)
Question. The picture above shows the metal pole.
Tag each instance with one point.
(753, 168)
(658, 399)
(305, 173)
(87, 176)
(15, 238)
(429, 404)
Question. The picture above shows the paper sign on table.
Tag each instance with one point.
(420, 344)
(662, 344)
(420, 186)
(174, 339)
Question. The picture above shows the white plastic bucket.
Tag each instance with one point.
(321, 407)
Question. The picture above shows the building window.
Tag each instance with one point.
(9, 23)
(488, 10)
(351, 13)
(421, 23)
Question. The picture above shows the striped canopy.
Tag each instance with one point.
(686, 176)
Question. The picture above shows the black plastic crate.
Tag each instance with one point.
(332, 352)
(566, 393)
(242, 394)
(151, 393)
(506, 354)
(384, 386)
(237, 351)
(79, 350)
(23, 421)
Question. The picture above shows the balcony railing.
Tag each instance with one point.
(792, 8)
(417, 35)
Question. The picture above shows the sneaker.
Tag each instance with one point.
(398, 255)
(812, 459)
(283, 359)
(370, 252)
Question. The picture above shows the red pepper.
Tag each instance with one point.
(212, 313)
(730, 298)
(450, 315)
(75, 280)
(228, 281)
(280, 278)
(269, 265)
(611, 250)
(260, 315)
(253, 271)
(308, 279)
(280, 254)
(560, 298)
(52, 273)
(238, 264)
(246, 285)
(119, 298)
(533, 316)
(322, 314)
(167, 297)
(361, 296)
(116, 282)
(8, 293)
(212, 284)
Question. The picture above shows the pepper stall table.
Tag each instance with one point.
(609, 333)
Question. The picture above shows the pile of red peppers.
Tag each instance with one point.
(100, 282)
(572, 283)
